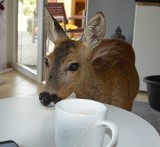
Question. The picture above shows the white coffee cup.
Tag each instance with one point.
(82, 123)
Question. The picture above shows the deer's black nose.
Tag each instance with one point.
(46, 98)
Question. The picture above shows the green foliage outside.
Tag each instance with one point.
(28, 6)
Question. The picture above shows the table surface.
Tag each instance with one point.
(28, 123)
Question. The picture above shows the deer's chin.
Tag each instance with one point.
(55, 98)
(64, 95)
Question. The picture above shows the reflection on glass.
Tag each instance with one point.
(27, 34)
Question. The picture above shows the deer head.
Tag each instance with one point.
(67, 64)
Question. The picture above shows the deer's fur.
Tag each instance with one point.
(106, 70)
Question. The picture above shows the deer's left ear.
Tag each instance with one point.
(95, 30)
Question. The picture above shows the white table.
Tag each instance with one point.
(28, 123)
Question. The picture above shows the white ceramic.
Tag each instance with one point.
(82, 123)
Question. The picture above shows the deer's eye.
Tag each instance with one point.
(46, 62)
(73, 67)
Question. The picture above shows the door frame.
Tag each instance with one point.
(41, 44)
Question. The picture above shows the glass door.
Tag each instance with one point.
(28, 56)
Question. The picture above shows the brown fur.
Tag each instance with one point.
(106, 70)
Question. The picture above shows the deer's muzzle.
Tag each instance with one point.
(46, 98)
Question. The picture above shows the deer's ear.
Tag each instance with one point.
(53, 28)
(95, 30)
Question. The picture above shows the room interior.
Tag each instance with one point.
(18, 83)
(77, 8)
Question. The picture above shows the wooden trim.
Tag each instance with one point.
(148, 4)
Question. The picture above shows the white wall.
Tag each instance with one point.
(6, 34)
(118, 13)
(3, 52)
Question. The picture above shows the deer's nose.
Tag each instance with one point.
(46, 98)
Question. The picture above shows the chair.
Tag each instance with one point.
(57, 10)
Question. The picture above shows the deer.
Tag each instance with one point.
(92, 67)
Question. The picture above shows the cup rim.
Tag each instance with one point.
(57, 105)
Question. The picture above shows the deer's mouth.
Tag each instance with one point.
(48, 99)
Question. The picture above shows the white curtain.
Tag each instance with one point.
(3, 33)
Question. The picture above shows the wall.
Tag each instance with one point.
(3, 52)
(118, 13)
(7, 30)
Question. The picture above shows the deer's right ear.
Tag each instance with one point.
(53, 28)
(95, 30)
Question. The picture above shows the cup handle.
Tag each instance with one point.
(114, 129)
